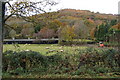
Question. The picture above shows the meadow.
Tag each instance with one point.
(55, 61)
(42, 48)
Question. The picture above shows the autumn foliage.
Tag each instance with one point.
(46, 33)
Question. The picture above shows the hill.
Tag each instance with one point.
(82, 20)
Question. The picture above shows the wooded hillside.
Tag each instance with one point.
(50, 25)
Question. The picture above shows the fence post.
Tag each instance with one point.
(1, 46)
(2, 13)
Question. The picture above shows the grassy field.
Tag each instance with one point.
(42, 48)
(62, 65)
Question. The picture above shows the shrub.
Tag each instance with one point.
(107, 58)
(89, 61)
(24, 59)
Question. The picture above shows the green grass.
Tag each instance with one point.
(112, 43)
(42, 48)
(55, 70)
(84, 40)
(57, 76)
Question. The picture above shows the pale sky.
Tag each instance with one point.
(102, 6)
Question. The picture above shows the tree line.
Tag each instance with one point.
(61, 24)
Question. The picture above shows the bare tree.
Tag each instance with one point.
(25, 8)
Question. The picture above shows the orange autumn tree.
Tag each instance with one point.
(91, 27)
(92, 33)
(46, 33)
(117, 26)
(89, 23)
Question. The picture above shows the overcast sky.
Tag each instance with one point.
(102, 6)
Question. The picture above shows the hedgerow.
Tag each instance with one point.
(88, 61)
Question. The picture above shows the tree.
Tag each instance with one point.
(90, 23)
(113, 22)
(67, 33)
(117, 34)
(46, 33)
(114, 33)
(92, 33)
(16, 27)
(104, 31)
(38, 26)
(27, 11)
(101, 32)
(26, 8)
(117, 26)
(12, 34)
(55, 24)
(80, 29)
(27, 30)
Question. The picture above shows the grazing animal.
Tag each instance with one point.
(61, 50)
(47, 48)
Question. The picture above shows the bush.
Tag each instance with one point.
(69, 43)
(24, 59)
(89, 61)
(107, 58)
